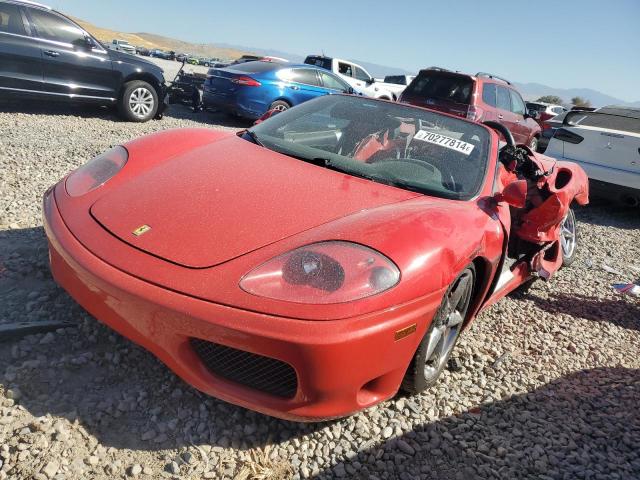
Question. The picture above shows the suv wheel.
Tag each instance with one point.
(139, 101)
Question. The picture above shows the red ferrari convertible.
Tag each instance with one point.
(312, 265)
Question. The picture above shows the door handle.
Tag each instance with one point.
(51, 53)
(294, 87)
(500, 116)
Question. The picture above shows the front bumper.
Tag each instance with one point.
(352, 364)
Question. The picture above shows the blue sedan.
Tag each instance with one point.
(250, 89)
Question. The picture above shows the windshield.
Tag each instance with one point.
(394, 144)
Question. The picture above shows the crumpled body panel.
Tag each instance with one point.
(566, 183)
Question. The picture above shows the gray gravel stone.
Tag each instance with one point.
(560, 405)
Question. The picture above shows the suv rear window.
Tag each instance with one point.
(321, 62)
(441, 86)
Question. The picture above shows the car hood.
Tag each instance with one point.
(217, 202)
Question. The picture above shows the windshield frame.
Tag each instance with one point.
(340, 163)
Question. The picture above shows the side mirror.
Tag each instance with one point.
(350, 91)
(86, 44)
(514, 194)
(371, 80)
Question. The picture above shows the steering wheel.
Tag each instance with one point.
(498, 127)
(422, 164)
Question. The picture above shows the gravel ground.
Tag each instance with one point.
(548, 385)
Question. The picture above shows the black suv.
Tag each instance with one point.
(46, 55)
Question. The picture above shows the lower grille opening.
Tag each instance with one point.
(266, 374)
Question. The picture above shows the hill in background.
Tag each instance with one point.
(152, 41)
(530, 91)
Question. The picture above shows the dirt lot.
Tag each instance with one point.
(549, 384)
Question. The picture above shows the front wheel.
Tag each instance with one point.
(138, 102)
(437, 344)
(533, 144)
(569, 238)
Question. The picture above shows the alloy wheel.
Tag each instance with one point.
(442, 337)
(568, 235)
(141, 102)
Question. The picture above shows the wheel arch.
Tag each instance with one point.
(282, 98)
(481, 284)
(145, 77)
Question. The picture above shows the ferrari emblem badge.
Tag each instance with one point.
(141, 230)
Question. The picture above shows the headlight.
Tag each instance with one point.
(96, 171)
(322, 273)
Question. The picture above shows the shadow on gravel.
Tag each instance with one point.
(606, 214)
(584, 425)
(120, 393)
(623, 311)
(39, 107)
(178, 111)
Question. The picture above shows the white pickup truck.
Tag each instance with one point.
(122, 46)
(354, 75)
(397, 83)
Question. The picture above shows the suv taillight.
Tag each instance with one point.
(474, 113)
(246, 81)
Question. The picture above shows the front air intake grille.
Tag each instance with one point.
(266, 374)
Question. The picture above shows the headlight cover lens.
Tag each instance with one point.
(323, 273)
(96, 171)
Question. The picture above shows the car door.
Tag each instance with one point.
(71, 66)
(521, 129)
(20, 57)
(364, 81)
(304, 84)
(345, 71)
(504, 114)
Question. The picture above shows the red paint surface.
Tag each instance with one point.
(222, 204)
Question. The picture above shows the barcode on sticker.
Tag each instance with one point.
(444, 141)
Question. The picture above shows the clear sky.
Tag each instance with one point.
(561, 43)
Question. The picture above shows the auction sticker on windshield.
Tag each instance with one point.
(444, 141)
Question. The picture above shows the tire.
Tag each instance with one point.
(280, 105)
(533, 144)
(569, 238)
(138, 102)
(442, 335)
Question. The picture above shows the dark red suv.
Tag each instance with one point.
(479, 97)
